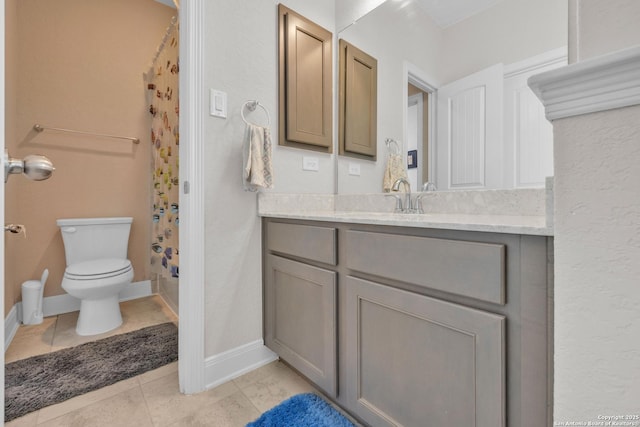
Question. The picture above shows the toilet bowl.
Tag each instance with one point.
(97, 269)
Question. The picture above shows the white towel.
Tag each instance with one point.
(394, 171)
(257, 171)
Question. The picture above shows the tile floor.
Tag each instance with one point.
(153, 398)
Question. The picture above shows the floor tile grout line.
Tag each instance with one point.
(250, 400)
(146, 403)
(53, 335)
(56, 331)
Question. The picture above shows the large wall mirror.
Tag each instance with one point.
(452, 90)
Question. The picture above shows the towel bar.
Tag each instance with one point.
(40, 128)
(251, 105)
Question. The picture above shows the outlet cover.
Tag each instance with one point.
(310, 164)
(354, 169)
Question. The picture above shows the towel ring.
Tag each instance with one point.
(251, 106)
(391, 144)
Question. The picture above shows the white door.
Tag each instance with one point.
(528, 135)
(469, 145)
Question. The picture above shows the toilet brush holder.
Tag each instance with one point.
(32, 293)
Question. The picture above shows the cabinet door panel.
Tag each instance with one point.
(306, 81)
(413, 360)
(300, 318)
(358, 101)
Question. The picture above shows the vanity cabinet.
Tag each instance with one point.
(432, 327)
(301, 302)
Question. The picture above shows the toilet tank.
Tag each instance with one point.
(86, 239)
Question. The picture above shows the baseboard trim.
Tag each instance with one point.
(231, 364)
(136, 290)
(60, 304)
(11, 324)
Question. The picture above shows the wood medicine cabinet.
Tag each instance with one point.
(357, 102)
(305, 83)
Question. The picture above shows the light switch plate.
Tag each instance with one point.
(218, 103)
(310, 163)
(354, 169)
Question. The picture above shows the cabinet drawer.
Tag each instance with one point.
(470, 269)
(305, 241)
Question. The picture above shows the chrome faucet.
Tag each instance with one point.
(428, 186)
(408, 205)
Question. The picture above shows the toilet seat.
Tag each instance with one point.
(98, 269)
(97, 279)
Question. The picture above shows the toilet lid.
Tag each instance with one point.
(96, 269)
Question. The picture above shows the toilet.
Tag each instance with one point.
(97, 269)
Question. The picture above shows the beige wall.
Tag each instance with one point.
(241, 59)
(597, 237)
(349, 11)
(602, 26)
(80, 66)
(11, 108)
(511, 31)
(597, 248)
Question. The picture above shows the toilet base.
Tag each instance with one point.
(98, 316)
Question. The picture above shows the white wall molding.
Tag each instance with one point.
(136, 290)
(11, 324)
(235, 362)
(413, 74)
(191, 363)
(603, 83)
(545, 60)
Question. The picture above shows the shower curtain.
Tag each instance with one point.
(162, 96)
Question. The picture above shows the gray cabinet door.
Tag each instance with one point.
(300, 318)
(412, 360)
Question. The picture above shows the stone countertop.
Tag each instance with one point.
(511, 224)
(528, 212)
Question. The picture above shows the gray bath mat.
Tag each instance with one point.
(39, 381)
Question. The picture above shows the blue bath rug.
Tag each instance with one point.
(302, 410)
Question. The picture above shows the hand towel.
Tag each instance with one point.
(394, 171)
(257, 171)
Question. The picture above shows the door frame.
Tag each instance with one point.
(191, 347)
(191, 364)
(417, 100)
(414, 75)
(2, 114)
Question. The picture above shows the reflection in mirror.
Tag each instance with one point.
(417, 135)
(357, 99)
(452, 88)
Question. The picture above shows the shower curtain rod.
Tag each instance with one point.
(174, 21)
(39, 128)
